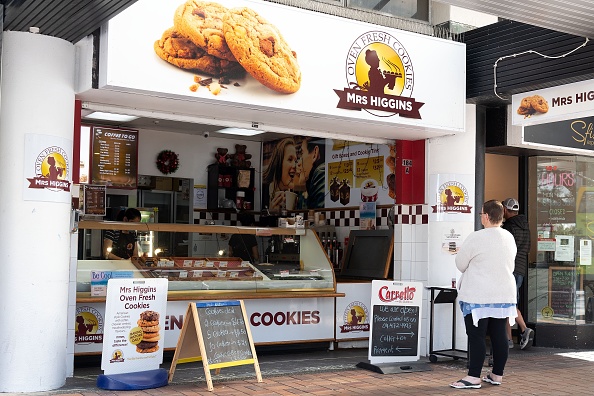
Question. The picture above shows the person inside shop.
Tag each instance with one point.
(311, 172)
(122, 244)
(517, 224)
(278, 175)
(245, 246)
(487, 295)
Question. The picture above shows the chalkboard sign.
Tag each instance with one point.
(94, 200)
(563, 283)
(220, 332)
(395, 322)
(224, 332)
(395, 330)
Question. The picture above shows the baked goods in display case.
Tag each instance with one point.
(194, 268)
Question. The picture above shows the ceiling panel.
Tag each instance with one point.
(567, 16)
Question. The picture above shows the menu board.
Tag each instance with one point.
(94, 200)
(562, 289)
(115, 157)
(395, 330)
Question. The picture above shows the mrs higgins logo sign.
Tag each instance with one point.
(380, 77)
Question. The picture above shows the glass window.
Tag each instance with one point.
(415, 9)
(562, 281)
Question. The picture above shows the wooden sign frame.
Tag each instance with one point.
(192, 348)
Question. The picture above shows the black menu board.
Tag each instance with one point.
(395, 330)
(94, 200)
(115, 157)
(563, 282)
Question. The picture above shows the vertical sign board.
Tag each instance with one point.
(135, 313)
(395, 321)
(563, 283)
(218, 334)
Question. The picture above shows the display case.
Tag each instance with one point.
(289, 263)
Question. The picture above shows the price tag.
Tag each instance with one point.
(188, 263)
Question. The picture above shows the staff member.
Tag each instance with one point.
(121, 245)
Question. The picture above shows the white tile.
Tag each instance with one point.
(420, 271)
(421, 232)
(407, 233)
(397, 250)
(406, 251)
(406, 270)
(397, 270)
(397, 232)
(420, 251)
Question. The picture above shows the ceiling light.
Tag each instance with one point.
(98, 115)
(240, 131)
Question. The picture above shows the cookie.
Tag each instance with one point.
(151, 329)
(151, 337)
(201, 22)
(259, 47)
(180, 51)
(539, 104)
(147, 350)
(146, 323)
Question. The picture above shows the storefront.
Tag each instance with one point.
(420, 96)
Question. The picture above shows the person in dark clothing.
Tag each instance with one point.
(517, 225)
(244, 246)
(121, 245)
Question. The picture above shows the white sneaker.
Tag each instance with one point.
(527, 338)
(510, 344)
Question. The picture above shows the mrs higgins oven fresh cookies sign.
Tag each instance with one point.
(261, 54)
(134, 317)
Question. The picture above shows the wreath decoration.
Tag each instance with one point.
(167, 162)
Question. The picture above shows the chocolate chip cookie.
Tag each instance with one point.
(202, 23)
(260, 48)
(180, 51)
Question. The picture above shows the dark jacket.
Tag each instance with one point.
(518, 226)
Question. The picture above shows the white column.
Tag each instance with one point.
(37, 91)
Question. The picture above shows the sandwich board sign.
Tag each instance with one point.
(217, 333)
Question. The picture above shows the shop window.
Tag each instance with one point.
(561, 205)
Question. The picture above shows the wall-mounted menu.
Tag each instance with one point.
(94, 200)
(563, 282)
(115, 157)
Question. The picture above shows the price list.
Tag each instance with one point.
(94, 200)
(115, 157)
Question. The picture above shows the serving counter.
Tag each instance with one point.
(289, 294)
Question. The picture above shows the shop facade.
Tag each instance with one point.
(421, 106)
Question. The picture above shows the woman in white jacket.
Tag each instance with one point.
(487, 294)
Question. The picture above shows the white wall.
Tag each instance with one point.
(443, 12)
(450, 154)
(195, 154)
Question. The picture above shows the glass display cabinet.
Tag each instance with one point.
(285, 262)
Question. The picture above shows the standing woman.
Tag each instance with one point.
(487, 294)
(279, 174)
(121, 245)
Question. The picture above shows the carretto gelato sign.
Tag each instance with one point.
(380, 77)
(453, 197)
(51, 170)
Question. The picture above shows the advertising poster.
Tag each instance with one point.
(135, 314)
(367, 216)
(451, 197)
(294, 173)
(556, 198)
(353, 311)
(369, 72)
(359, 172)
(564, 248)
(47, 168)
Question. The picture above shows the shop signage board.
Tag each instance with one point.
(395, 321)
(575, 133)
(563, 282)
(451, 197)
(218, 334)
(547, 105)
(353, 311)
(367, 73)
(134, 317)
(115, 157)
(94, 200)
(271, 321)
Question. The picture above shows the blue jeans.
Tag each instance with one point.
(519, 281)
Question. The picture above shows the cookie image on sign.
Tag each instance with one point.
(531, 105)
(149, 323)
(208, 38)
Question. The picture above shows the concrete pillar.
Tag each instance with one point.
(37, 109)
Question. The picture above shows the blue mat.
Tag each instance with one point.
(134, 381)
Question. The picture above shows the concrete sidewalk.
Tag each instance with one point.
(537, 371)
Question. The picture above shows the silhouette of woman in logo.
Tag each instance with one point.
(54, 171)
(450, 199)
(377, 79)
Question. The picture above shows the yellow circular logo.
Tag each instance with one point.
(135, 335)
(547, 312)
